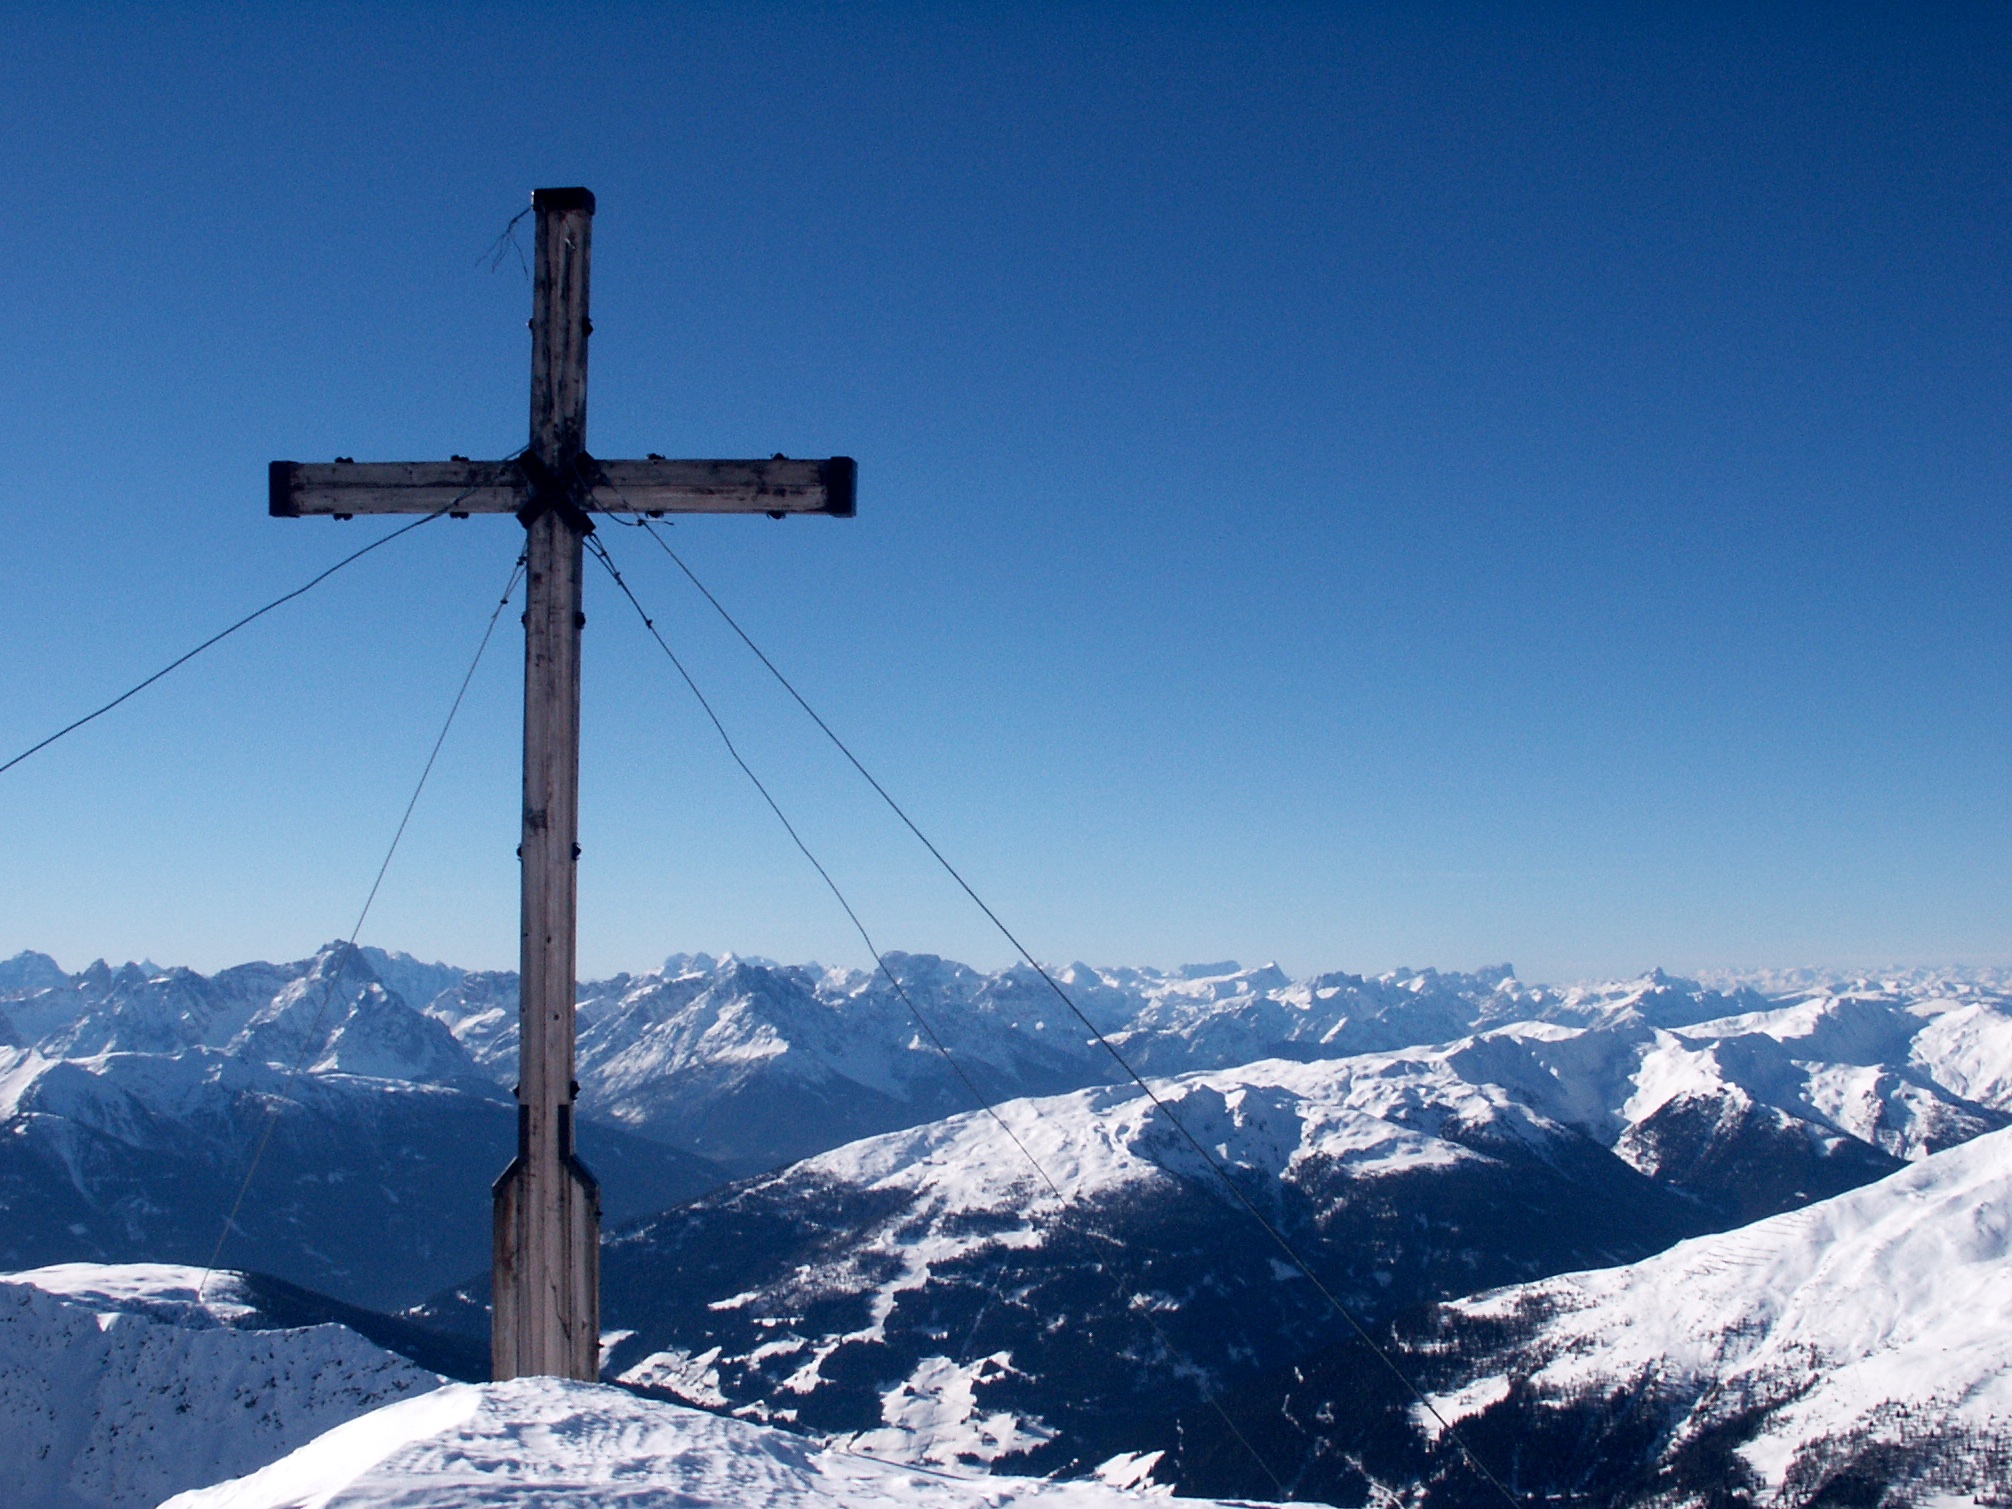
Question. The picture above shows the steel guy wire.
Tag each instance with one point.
(1236, 1191)
(600, 552)
(222, 635)
(339, 960)
(505, 244)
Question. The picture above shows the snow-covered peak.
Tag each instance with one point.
(28, 972)
(1969, 1049)
(1845, 1065)
(339, 1017)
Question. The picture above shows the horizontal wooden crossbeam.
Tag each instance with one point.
(653, 486)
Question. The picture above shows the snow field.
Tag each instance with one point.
(562, 1445)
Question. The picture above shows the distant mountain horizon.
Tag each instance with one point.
(1725, 978)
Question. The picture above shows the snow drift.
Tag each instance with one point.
(587, 1446)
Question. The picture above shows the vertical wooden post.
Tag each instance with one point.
(547, 1216)
(548, 1213)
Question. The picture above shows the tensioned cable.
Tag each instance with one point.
(1278, 1238)
(220, 636)
(341, 959)
(600, 553)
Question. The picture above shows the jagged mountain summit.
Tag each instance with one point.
(1855, 1352)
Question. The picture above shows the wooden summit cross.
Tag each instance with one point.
(547, 1215)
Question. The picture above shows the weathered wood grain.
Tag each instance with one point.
(546, 1321)
(301, 489)
(777, 485)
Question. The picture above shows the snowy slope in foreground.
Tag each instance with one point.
(118, 1387)
(566, 1445)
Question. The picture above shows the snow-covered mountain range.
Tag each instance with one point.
(755, 1064)
(132, 1102)
(135, 1095)
(1055, 1283)
(930, 1292)
(1065, 1284)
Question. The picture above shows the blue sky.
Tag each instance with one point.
(1358, 486)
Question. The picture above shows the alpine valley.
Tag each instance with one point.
(1655, 1241)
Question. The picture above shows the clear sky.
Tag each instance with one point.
(1352, 485)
